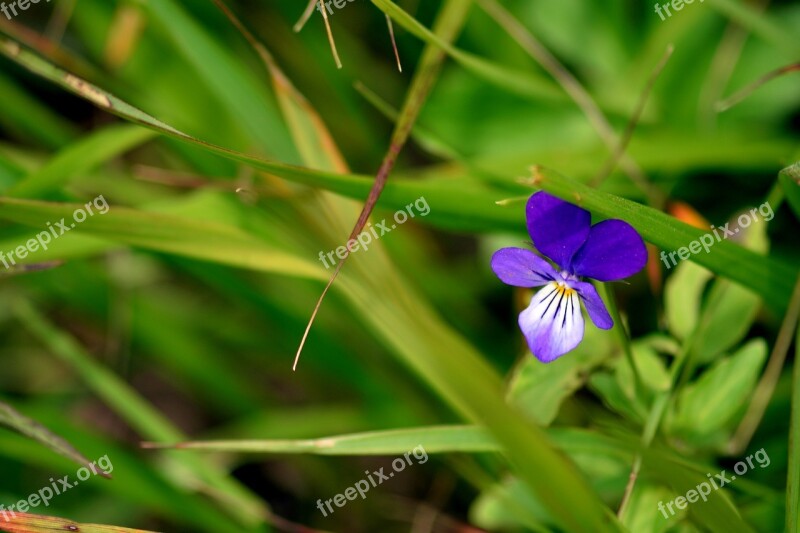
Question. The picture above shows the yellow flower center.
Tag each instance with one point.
(563, 290)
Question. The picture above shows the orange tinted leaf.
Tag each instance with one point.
(12, 522)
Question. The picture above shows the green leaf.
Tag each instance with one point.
(433, 439)
(508, 505)
(20, 423)
(240, 504)
(522, 83)
(607, 387)
(770, 278)
(458, 206)
(31, 523)
(761, 24)
(21, 112)
(651, 369)
(227, 78)
(789, 179)
(683, 295)
(717, 513)
(710, 403)
(539, 389)
(640, 512)
(80, 157)
(731, 310)
(793, 471)
(210, 241)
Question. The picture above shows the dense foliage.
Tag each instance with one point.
(177, 192)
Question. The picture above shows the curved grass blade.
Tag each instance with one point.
(469, 207)
(793, 472)
(521, 83)
(20, 423)
(238, 502)
(789, 179)
(448, 25)
(31, 523)
(21, 112)
(770, 278)
(762, 395)
(80, 157)
(434, 439)
(744, 92)
(761, 24)
(421, 340)
(233, 84)
(210, 241)
(309, 132)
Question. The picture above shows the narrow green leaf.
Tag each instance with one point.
(20, 423)
(235, 87)
(21, 112)
(463, 207)
(768, 277)
(165, 233)
(521, 83)
(793, 472)
(650, 367)
(30, 523)
(239, 502)
(761, 24)
(789, 179)
(80, 157)
(433, 439)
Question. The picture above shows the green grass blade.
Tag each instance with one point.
(522, 83)
(30, 523)
(235, 87)
(793, 474)
(209, 241)
(81, 157)
(434, 439)
(20, 423)
(789, 179)
(20, 112)
(118, 395)
(760, 24)
(772, 279)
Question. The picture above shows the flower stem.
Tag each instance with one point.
(619, 330)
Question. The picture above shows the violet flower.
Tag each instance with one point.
(608, 251)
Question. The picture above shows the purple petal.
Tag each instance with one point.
(612, 251)
(552, 323)
(521, 268)
(558, 228)
(594, 304)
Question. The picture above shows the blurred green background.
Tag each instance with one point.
(176, 315)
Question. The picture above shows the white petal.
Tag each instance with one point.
(552, 323)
